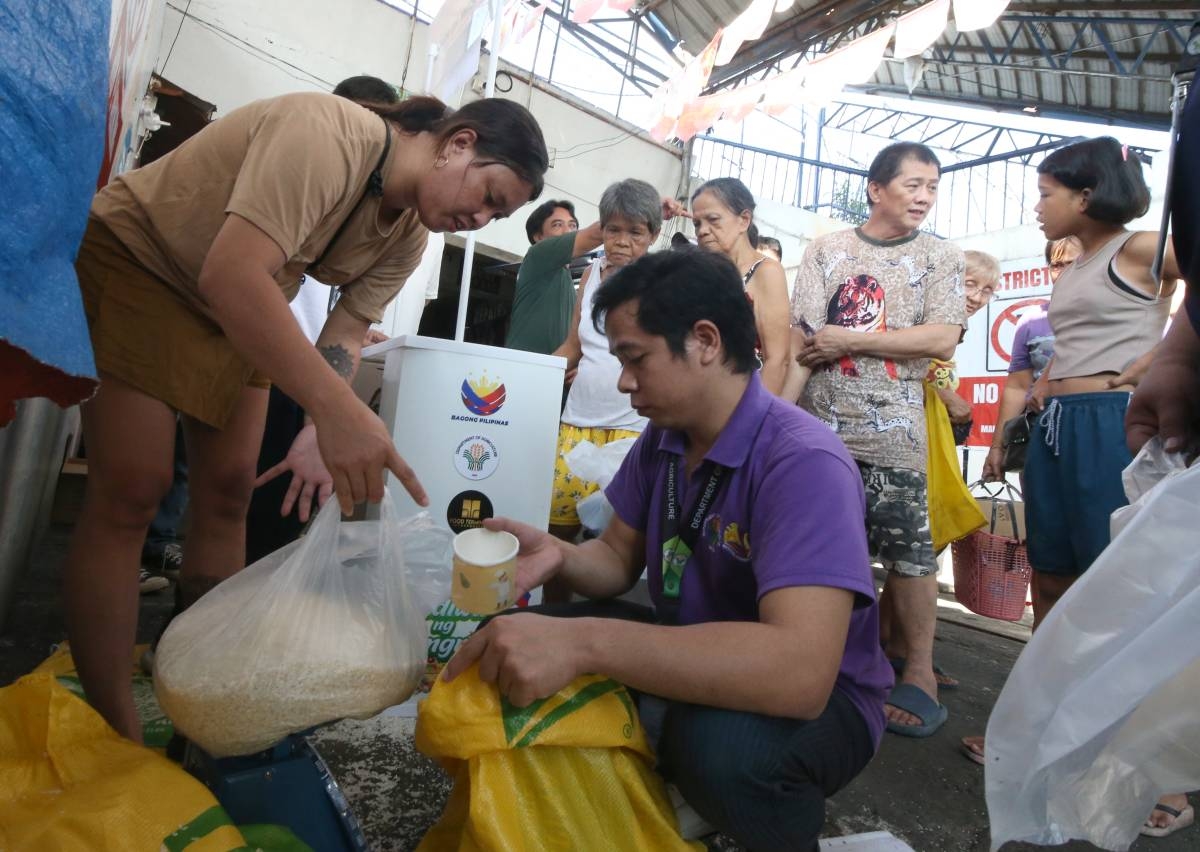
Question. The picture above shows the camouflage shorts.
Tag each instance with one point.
(898, 519)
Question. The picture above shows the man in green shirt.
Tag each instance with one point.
(545, 293)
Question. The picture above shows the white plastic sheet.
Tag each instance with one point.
(598, 465)
(1099, 716)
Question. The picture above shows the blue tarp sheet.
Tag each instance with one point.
(53, 89)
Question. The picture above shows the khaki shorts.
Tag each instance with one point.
(146, 336)
(568, 488)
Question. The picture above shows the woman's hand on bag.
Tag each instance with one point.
(527, 656)
(356, 448)
(540, 556)
(957, 407)
(993, 466)
(309, 477)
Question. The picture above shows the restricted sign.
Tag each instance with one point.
(1007, 315)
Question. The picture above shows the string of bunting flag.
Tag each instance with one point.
(679, 111)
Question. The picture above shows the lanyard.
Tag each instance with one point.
(678, 543)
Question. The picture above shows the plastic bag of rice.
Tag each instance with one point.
(329, 627)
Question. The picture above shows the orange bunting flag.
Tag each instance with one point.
(585, 11)
(683, 86)
(519, 20)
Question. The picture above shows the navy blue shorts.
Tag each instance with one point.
(1073, 479)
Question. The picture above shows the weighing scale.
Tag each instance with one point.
(288, 784)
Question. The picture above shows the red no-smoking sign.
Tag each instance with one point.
(1004, 326)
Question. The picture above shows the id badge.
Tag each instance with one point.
(675, 555)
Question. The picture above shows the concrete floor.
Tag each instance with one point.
(923, 791)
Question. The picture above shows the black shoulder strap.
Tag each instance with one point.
(750, 272)
(374, 187)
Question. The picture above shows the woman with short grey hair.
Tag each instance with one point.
(631, 216)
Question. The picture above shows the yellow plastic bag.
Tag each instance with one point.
(573, 771)
(69, 782)
(953, 512)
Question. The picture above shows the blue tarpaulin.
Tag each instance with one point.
(53, 89)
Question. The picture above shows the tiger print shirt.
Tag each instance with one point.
(876, 405)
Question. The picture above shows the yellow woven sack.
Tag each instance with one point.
(573, 771)
(953, 512)
(69, 782)
(156, 727)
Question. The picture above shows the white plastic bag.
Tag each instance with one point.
(1099, 716)
(1151, 466)
(330, 626)
(598, 465)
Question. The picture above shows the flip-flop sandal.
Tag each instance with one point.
(967, 748)
(947, 681)
(1180, 819)
(914, 700)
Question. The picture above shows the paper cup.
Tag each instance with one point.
(485, 571)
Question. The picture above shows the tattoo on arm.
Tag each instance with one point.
(339, 358)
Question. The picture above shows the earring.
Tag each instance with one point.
(439, 162)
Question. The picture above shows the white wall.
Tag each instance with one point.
(134, 30)
(231, 52)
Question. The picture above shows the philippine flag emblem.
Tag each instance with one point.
(483, 396)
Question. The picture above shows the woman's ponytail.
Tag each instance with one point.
(412, 115)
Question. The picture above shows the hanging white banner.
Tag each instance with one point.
(745, 27)
(977, 14)
(455, 34)
(920, 28)
(853, 64)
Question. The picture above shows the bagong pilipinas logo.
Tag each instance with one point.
(476, 457)
(483, 396)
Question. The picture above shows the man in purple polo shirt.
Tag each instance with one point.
(748, 513)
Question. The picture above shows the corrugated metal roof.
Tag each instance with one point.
(1099, 60)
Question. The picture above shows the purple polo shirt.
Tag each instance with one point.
(790, 512)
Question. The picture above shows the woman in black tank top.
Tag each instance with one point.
(723, 214)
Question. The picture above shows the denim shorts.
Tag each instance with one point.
(1073, 479)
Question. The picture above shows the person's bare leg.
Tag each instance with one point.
(556, 590)
(914, 620)
(1049, 588)
(222, 471)
(130, 441)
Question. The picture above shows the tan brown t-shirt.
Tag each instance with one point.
(877, 405)
(295, 166)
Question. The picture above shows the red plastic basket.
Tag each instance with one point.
(991, 573)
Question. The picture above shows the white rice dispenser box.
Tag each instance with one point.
(479, 426)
